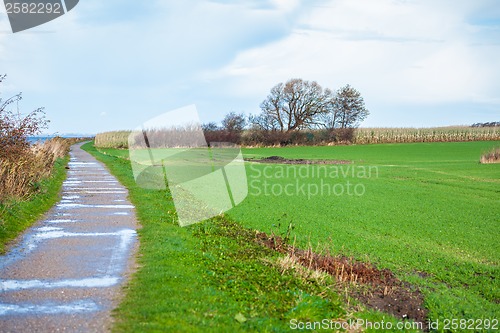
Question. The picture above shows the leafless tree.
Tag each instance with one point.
(209, 127)
(263, 122)
(346, 109)
(296, 104)
(234, 122)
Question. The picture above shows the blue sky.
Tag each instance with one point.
(109, 65)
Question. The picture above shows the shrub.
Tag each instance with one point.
(222, 136)
(19, 177)
(15, 128)
(492, 156)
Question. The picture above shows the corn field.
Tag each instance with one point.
(19, 175)
(116, 139)
(438, 134)
(119, 139)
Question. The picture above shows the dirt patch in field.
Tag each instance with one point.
(282, 160)
(378, 289)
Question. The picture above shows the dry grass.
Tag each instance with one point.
(438, 134)
(343, 269)
(116, 139)
(492, 156)
(291, 263)
(378, 288)
(20, 175)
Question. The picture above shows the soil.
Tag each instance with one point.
(282, 160)
(376, 288)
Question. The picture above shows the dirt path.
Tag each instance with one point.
(66, 272)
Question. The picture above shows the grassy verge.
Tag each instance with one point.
(16, 216)
(212, 276)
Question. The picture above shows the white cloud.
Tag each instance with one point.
(134, 60)
(286, 5)
(391, 50)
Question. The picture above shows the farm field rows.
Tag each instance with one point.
(427, 211)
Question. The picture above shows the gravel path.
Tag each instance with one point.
(65, 274)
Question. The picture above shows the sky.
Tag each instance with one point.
(114, 64)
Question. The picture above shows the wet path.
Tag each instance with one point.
(66, 272)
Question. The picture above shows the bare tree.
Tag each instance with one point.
(263, 122)
(296, 104)
(211, 126)
(346, 109)
(234, 122)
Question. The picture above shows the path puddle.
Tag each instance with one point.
(49, 308)
(101, 188)
(70, 197)
(101, 282)
(82, 164)
(60, 233)
(105, 192)
(71, 182)
(48, 229)
(61, 221)
(100, 181)
(74, 205)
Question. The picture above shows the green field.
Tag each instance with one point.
(427, 211)
(431, 209)
(212, 276)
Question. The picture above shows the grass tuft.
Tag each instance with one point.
(493, 156)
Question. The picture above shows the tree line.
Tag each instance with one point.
(295, 112)
(488, 124)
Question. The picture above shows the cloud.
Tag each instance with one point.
(402, 51)
(134, 60)
(129, 56)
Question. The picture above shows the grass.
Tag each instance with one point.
(30, 180)
(212, 276)
(430, 213)
(17, 215)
